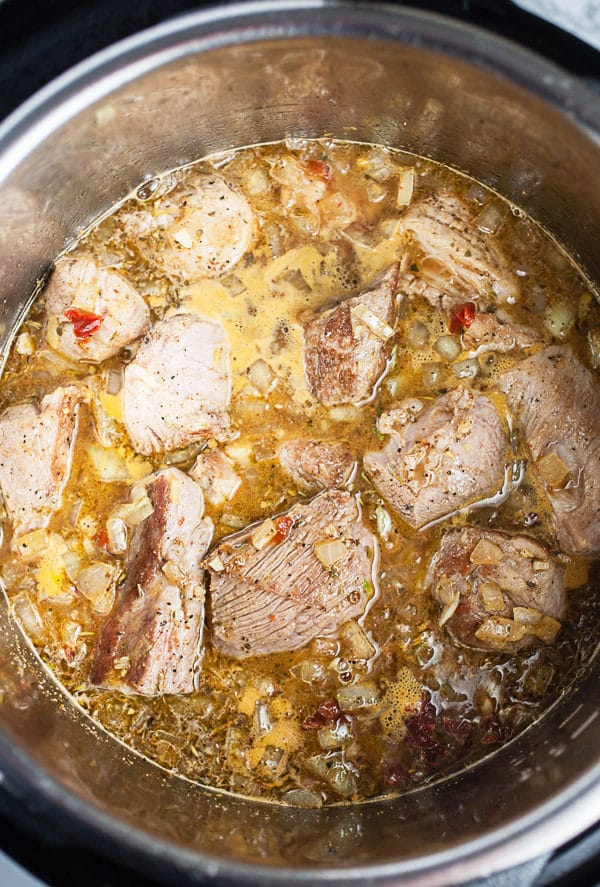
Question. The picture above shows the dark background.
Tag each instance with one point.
(39, 40)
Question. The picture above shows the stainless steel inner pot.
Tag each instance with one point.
(223, 79)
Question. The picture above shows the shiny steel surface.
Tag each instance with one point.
(227, 78)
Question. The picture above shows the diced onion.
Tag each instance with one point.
(490, 218)
(499, 632)
(216, 564)
(33, 545)
(25, 345)
(309, 671)
(377, 326)
(330, 551)
(450, 607)
(406, 187)
(335, 736)
(375, 192)
(116, 530)
(547, 629)
(263, 534)
(331, 769)
(29, 616)
(108, 464)
(384, 522)
(256, 182)
(431, 374)
(357, 641)
(173, 573)
(358, 696)
(134, 513)
(491, 596)
(447, 347)
(96, 583)
(183, 238)
(418, 335)
(552, 470)
(239, 451)
(466, 369)
(526, 615)
(114, 381)
(377, 165)
(486, 552)
(261, 376)
(559, 319)
(344, 414)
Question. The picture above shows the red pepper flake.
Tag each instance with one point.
(84, 323)
(463, 317)
(283, 525)
(101, 539)
(272, 617)
(327, 712)
(319, 168)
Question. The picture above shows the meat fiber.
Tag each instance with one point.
(36, 449)
(270, 592)
(488, 332)
(92, 312)
(151, 641)
(199, 231)
(344, 356)
(439, 458)
(557, 405)
(498, 592)
(176, 390)
(316, 464)
(453, 259)
(216, 476)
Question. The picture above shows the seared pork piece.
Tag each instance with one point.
(216, 476)
(278, 584)
(557, 405)
(439, 458)
(176, 389)
(497, 592)
(150, 643)
(346, 347)
(316, 464)
(201, 231)
(454, 260)
(488, 332)
(36, 448)
(92, 312)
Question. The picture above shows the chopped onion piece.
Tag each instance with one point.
(335, 736)
(432, 373)
(96, 582)
(406, 187)
(330, 551)
(108, 464)
(357, 641)
(33, 545)
(357, 696)
(263, 534)
(377, 326)
(559, 319)
(134, 513)
(466, 369)
(384, 522)
(256, 182)
(261, 376)
(72, 564)
(447, 347)
(262, 722)
(114, 381)
(309, 671)
(216, 564)
(526, 615)
(29, 616)
(25, 345)
(116, 530)
(70, 632)
(547, 629)
(490, 218)
(239, 451)
(376, 192)
(377, 165)
(331, 769)
(552, 470)
(173, 573)
(344, 414)
(303, 797)
(450, 607)
(183, 238)
(500, 632)
(418, 335)
(491, 596)
(486, 552)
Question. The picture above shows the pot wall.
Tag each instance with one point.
(192, 88)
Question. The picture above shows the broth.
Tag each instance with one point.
(256, 725)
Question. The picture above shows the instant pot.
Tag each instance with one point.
(220, 78)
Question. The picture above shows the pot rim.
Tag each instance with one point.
(569, 812)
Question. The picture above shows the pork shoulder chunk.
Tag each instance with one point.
(557, 405)
(36, 449)
(496, 591)
(276, 585)
(176, 389)
(453, 259)
(215, 474)
(92, 312)
(199, 231)
(316, 464)
(346, 347)
(150, 643)
(439, 458)
(488, 332)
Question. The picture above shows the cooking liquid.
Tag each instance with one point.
(439, 705)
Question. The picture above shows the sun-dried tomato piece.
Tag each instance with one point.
(327, 712)
(85, 323)
(462, 318)
(283, 525)
(319, 168)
